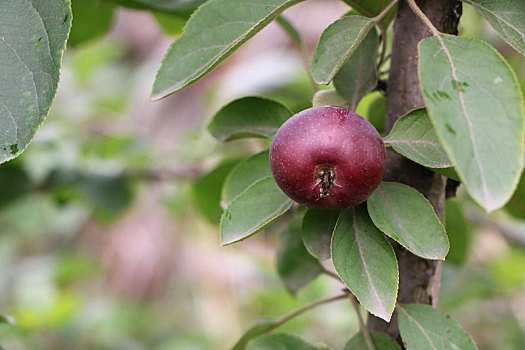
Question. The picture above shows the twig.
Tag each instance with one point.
(362, 325)
(331, 274)
(417, 11)
(163, 174)
(384, 12)
(305, 308)
(512, 231)
(383, 48)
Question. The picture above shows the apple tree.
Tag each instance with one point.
(454, 117)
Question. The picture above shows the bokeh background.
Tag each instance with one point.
(108, 222)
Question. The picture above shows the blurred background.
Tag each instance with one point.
(109, 221)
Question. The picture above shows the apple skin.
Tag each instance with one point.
(327, 157)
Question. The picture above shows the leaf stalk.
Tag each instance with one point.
(417, 11)
(362, 325)
(305, 308)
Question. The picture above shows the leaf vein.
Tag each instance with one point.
(365, 266)
(14, 120)
(45, 31)
(28, 69)
(418, 326)
(467, 119)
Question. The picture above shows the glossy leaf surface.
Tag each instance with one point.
(244, 174)
(414, 137)
(248, 117)
(358, 75)
(406, 216)
(317, 230)
(337, 44)
(253, 209)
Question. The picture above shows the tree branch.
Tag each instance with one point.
(419, 278)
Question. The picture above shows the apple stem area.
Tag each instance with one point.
(325, 180)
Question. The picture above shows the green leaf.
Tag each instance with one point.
(459, 232)
(295, 265)
(329, 98)
(376, 113)
(14, 182)
(506, 17)
(516, 205)
(317, 230)
(262, 326)
(405, 215)
(358, 75)
(171, 23)
(290, 30)
(213, 32)
(206, 191)
(414, 137)
(477, 117)
(365, 261)
(448, 172)
(29, 67)
(279, 341)
(371, 8)
(248, 117)
(162, 5)
(337, 43)
(244, 174)
(91, 20)
(423, 327)
(381, 341)
(249, 212)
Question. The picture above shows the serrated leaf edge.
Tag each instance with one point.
(224, 203)
(360, 37)
(214, 62)
(478, 6)
(52, 99)
(389, 141)
(433, 213)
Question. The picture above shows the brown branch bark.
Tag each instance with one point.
(419, 279)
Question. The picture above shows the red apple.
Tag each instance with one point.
(328, 157)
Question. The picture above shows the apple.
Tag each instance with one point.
(327, 157)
